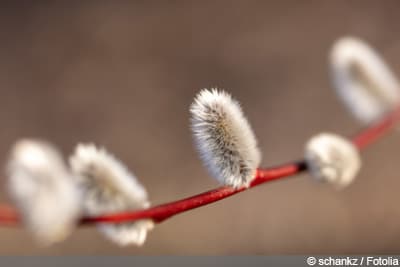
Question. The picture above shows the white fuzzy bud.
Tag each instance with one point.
(108, 188)
(43, 191)
(362, 80)
(224, 138)
(332, 158)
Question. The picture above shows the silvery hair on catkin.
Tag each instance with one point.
(224, 138)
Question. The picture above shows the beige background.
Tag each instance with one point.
(122, 74)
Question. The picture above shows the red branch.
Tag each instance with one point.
(8, 216)
(372, 133)
(165, 211)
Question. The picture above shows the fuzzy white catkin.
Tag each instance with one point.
(332, 158)
(43, 191)
(108, 188)
(224, 138)
(363, 81)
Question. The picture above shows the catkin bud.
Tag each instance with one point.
(332, 158)
(108, 188)
(43, 191)
(224, 138)
(362, 80)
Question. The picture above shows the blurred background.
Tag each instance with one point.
(122, 74)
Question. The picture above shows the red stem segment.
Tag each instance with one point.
(165, 211)
(8, 216)
(372, 133)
